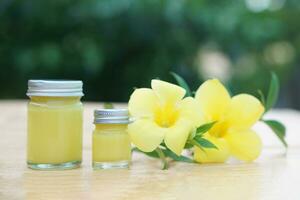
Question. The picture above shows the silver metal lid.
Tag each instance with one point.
(55, 88)
(111, 116)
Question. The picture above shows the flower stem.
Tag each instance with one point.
(162, 157)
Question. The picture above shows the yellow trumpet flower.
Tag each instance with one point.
(162, 114)
(235, 116)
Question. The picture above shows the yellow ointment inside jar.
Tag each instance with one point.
(111, 146)
(55, 126)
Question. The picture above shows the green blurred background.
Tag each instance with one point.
(116, 45)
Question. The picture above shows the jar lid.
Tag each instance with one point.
(111, 116)
(55, 88)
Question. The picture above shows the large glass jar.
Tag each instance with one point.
(54, 139)
(111, 143)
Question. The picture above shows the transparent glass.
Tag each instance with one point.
(111, 146)
(54, 139)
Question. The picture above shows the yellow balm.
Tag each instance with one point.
(111, 143)
(54, 139)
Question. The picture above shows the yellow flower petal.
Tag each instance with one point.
(167, 92)
(214, 99)
(190, 109)
(177, 135)
(146, 134)
(211, 155)
(143, 103)
(243, 112)
(244, 145)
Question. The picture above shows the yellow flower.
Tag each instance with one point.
(162, 114)
(235, 116)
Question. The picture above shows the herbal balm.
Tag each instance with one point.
(111, 143)
(54, 139)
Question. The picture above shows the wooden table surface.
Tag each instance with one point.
(272, 176)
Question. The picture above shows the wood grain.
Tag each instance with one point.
(272, 176)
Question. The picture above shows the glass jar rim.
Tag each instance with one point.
(55, 88)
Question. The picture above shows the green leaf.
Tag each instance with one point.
(168, 153)
(278, 125)
(108, 105)
(262, 97)
(273, 92)
(163, 144)
(204, 142)
(204, 128)
(195, 143)
(182, 83)
(163, 158)
(181, 158)
(152, 154)
(188, 145)
(279, 129)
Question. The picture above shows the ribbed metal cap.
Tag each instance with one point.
(55, 88)
(111, 116)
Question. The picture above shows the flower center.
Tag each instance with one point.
(166, 115)
(219, 129)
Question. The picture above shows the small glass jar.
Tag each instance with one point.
(55, 118)
(111, 143)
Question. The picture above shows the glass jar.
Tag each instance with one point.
(111, 143)
(54, 139)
